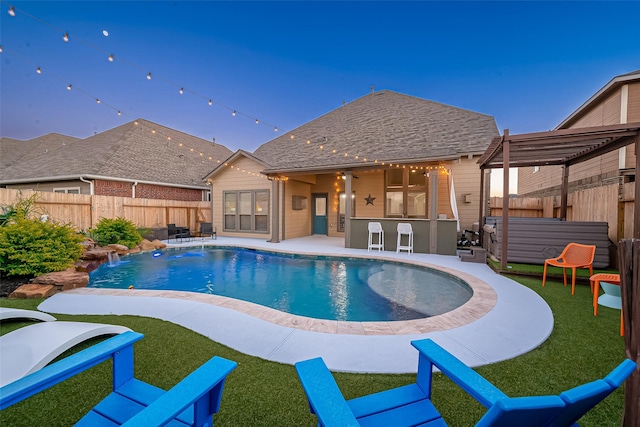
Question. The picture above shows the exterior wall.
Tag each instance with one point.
(49, 186)
(232, 179)
(145, 191)
(609, 111)
(466, 180)
(297, 221)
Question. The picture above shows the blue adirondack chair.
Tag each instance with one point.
(193, 401)
(411, 405)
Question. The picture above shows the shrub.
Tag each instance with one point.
(117, 230)
(22, 208)
(30, 247)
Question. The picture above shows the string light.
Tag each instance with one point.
(12, 11)
(148, 76)
(210, 102)
(181, 90)
(257, 121)
(234, 113)
(97, 101)
(38, 70)
(65, 37)
(110, 58)
(69, 87)
(0, 48)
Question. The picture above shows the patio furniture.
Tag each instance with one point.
(375, 228)
(404, 229)
(172, 230)
(207, 230)
(478, 255)
(7, 313)
(183, 233)
(411, 405)
(28, 349)
(193, 401)
(612, 298)
(574, 256)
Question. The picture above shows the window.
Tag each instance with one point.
(67, 190)
(246, 211)
(405, 193)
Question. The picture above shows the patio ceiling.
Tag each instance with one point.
(560, 147)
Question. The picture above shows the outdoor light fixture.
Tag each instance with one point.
(12, 11)
(65, 37)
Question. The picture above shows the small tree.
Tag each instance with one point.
(117, 230)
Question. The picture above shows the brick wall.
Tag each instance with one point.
(146, 191)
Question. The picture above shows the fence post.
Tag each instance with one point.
(629, 252)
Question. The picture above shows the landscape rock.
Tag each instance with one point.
(34, 291)
(157, 244)
(120, 249)
(146, 245)
(65, 280)
(100, 254)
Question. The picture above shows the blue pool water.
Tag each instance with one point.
(350, 289)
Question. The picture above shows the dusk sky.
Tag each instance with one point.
(528, 64)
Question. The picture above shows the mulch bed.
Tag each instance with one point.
(9, 284)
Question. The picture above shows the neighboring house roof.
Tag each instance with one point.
(144, 152)
(613, 85)
(385, 126)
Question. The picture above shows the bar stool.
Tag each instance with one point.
(376, 228)
(404, 229)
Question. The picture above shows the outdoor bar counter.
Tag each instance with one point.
(446, 234)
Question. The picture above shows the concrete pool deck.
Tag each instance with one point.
(503, 320)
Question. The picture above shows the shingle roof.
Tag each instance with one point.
(382, 125)
(132, 151)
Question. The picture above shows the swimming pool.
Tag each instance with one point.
(322, 287)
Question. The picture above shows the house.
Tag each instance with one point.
(617, 102)
(139, 159)
(395, 157)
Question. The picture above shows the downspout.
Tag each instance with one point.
(90, 185)
(133, 189)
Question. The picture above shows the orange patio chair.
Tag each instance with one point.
(574, 256)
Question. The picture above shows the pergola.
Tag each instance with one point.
(565, 148)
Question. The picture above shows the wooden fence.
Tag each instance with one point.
(84, 211)
(611, 203)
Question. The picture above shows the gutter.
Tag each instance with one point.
(94, 177)
(133, 190)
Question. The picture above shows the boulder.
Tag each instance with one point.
(86, 266)
(146, 245)
(157, 244)
(34, 291)
(65, 280)
(135, 250)
(100, 254)
(120, 249)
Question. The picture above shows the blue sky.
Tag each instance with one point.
(528, 64)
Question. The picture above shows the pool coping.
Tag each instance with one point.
(481, 302)
(518, 322)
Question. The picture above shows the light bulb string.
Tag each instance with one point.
(321, 143)
(140, 68)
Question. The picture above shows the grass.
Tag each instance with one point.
(262, 393)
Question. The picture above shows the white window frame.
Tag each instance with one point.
(67, 190)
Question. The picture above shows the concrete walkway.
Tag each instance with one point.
(519, 321)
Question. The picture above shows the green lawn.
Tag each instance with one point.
(260, 393)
